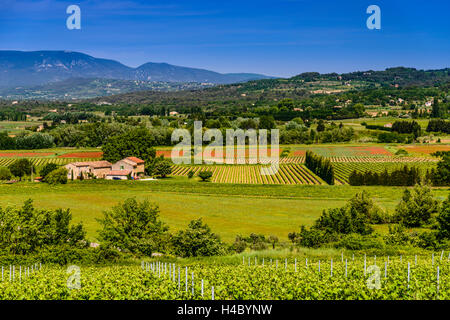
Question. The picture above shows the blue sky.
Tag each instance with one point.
(278, 37)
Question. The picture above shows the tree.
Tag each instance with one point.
(137, 142)
(267, 122)
(162, 168)
(21, 167)
(5, 174)
(25, 230)
(205, 175)
(197, 240)
(6, 142)
(273, 240)
(58, 176)
(416, 207)
(134, 226)
(49, 167)
(364, 205)
(441, 175)
(436, 111)
(320, 126)
(443, 220)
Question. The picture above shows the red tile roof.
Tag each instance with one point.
(136, 160)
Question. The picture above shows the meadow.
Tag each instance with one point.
(229, 209)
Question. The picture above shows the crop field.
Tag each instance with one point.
(251, 174)
(344, 151)
(247, 277)
(40, 162)
(292, 170)
(15, 127)
(425, 149)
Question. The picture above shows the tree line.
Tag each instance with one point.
(320, 166)
(406, 176)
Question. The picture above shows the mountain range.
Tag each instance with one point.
(34, 68)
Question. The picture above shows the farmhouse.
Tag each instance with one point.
(89, 169)
(129, 167)
(132, 164)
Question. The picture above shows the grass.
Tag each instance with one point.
(229, 209)
(16, 127)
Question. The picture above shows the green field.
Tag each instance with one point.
(229, 209)
(15, 127)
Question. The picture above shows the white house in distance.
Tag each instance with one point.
(129, 167)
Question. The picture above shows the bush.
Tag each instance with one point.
(397, 236)
(443, 220)
(58, 176)
(355, 241)
(197, 240)
(416, 207)
(205, 175)
(190, 174)
(239, 244)
(134, 227)
(49, 167)
(21, 167)
(26, 230)
(162, 168)
(313, 238)
(5, 174)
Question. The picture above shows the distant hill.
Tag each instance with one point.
(82, 88)
(400, 76)
(297, 87)
(24, 69)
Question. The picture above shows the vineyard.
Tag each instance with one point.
(40, 162)
(256, 278)
(292, 170)
(251, 174)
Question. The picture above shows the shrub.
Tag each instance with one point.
(58, 176)
(313, 238)
(49, 167)
(197, 240)
(355, 241)
(21, 167)
(5, 174)
(205, 175)
(239, 244)
(443, 220)
(162, 168)
(26, 230)
(397, 236)
(416, 207)
(134, 227)
(190, 174)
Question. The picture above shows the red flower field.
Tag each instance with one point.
(24, 154)
(90, 155)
